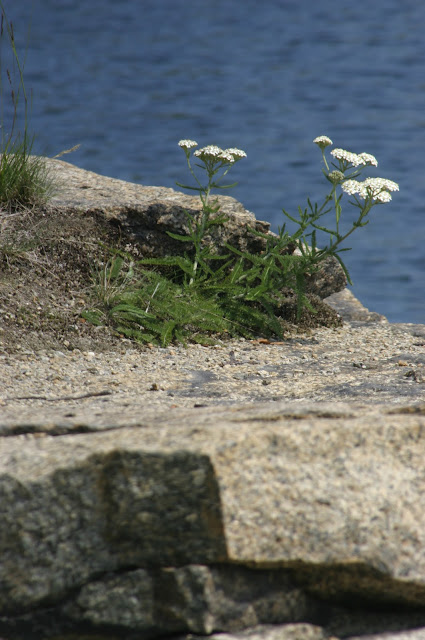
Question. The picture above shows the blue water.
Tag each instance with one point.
(129, 79)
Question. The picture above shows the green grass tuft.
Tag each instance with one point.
(24, 178)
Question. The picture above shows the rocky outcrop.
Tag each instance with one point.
(145, 215)
(297, 514)
(202, 523)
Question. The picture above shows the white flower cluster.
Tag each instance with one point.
(187, 144)
(375, 188)
(226, 156)
(382, 183)
(368, 158)
(237, 153)
(322, 141)
(211, 152)
(355, 159)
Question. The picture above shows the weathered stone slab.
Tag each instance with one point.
(328, 501)
(266, 514)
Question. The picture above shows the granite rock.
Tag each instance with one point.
(201, 522)
(269, 520)
(198, 598)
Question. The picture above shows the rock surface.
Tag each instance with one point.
(287, 519)
(253, 490)
(367, 360)
(201, 523)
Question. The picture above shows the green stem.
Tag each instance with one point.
(200, 227)
(331, 249)
(337, 210)
(324, 160)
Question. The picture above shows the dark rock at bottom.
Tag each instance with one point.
(228, 601)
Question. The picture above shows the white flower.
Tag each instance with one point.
(382, 183)
(348, 156)
(212, 153)
(187, 144)
(236, 153)
(375, 188)
(322, 141)
(368, 159)
(226, 157)
(209, 152)
(383, 196)
(351, 187)
(379, 188)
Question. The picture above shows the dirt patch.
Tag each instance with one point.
(47, 266)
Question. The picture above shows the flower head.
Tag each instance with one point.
(381, 183)
(187, 144)
(382, 196)
(236, 153)
(352, 187)
(379, 188)
(323, 141)
(375, 188)
(336, 176)
(225, 156)
(211, 153)
(208, 153)
(368, 158)
(347, 156)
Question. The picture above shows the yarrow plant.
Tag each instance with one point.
(345, 167)
(205, 291)
(367, 193)
(214, 161)
(260, 282)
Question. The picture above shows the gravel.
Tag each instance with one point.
(367, 360)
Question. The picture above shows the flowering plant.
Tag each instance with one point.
(345, 168)
(260, 280)
(214, 160)
(200, 293)
(367, 194)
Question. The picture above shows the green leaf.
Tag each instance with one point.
(217, 221)
(167, 332)
(185, 186)
(93, 316)
(225, 186)
(115, 268)
(177, 236)
(347, 275)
